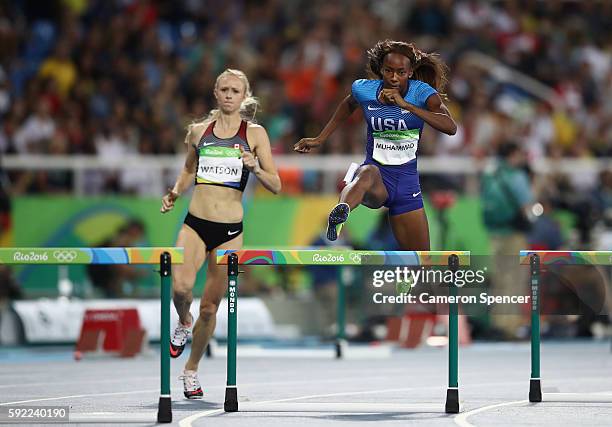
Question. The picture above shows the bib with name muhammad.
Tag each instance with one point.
(219, 160)
(393, 134)
(395, 147)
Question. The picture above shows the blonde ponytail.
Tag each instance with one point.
(248, 108)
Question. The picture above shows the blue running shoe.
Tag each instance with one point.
(337, 217)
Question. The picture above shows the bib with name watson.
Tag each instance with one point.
(219, 161)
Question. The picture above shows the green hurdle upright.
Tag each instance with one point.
(535, 386)
(231, 392)
(452, 394)
(340, 344)
(535, 259)
(82, 256)
(164, 407)
(233, 259)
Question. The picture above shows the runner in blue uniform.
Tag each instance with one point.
(402, 95)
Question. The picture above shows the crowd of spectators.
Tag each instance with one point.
(116, 77)
(113, 77)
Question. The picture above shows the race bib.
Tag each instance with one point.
(395, 147)
(219, 165)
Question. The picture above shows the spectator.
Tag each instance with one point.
(9, 290)
(11, 329)
(545, 234)
(159, 62)
(506, 197)
(35, 131)
(116, 281)
(60, 68)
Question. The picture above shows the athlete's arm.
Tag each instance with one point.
(184, 180)
(343, 112)
(264, 169)
(436, 115)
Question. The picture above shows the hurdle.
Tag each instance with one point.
(340, 342)
(535, 259)
(452, 259)
(162, 256)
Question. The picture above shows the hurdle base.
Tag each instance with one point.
(164, 409)
(340, 348)
(535, 391)
(231, 399)
(452, 401)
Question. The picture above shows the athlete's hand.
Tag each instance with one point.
(392, 96)
(248, 160)
(168, 201)
(304, 145)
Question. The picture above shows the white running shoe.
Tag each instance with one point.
(178, 340)
(191, 385)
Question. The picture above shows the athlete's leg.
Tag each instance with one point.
(411, 230)
(214, 290)
(367, 188)
(184, 275)
(183, 281)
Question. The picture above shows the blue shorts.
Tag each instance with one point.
(403, 189)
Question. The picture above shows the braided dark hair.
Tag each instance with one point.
(426, 67)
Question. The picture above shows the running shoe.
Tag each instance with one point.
(191, 385)
(178, 340)
(337, 217)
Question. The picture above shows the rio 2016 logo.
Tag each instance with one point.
(328, 258)
(65, 256)
(355, 257)
(30, 256)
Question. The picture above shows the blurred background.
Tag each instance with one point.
(95, 97)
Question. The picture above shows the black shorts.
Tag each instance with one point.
(213, 233)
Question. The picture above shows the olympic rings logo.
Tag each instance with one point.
(65, 256)
(356, 258)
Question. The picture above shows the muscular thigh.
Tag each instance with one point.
(376, 194)
(411, 230)
(216, 274)
(194, 255)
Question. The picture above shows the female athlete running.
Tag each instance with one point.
(402, 95)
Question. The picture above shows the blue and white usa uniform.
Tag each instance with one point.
(393, 141)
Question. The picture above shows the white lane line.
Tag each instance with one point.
(113, 417)
(350, 377)
(352, 393)
(187, 422)
(77, 396)
(343, 407)
(598, 397)
(461, 419)
(52, 383)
